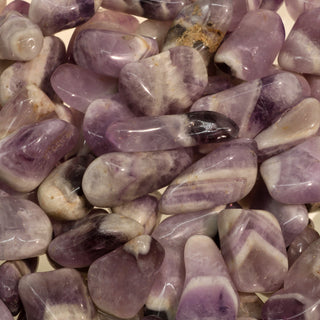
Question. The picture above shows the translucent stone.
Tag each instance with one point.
(297, 7)
(250, 306)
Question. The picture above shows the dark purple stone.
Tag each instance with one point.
(5, 312)
(17, 5)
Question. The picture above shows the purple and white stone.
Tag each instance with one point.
(20, 38)
(117, 177)
(60, 194)
(255, 105)
(225, 175)
(292, 177)
(79, 87)
(245, 53)
(61, 14)
(300, 52)
(28, 155)
(58, 294)
(5, 312)
(165, 83)
(250, 306)
(130, 272)
(37, 71)
(253, 248)
(25, 229)
(297, 7)
(106, 52)
(208, 289)
(273, 5)
(17, 5)
(170, 131)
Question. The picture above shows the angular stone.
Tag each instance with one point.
(25, 229)
(250, 306)
(17, 5)
(225, 175)
(168, 82)
(297, 7)
(59, 294)
(255, 105)
(292, 176)
(245, 53)
(273, 5)
(113, 278)
(253, 248)
(208, 290)
(117, 177)
(170, 131)
(20, 38)
(106, 52)
(5, 312)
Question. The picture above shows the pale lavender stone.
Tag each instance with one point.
(78, 87)
(106, 52)
(130, 271)
(297, 7)
(273, 5)
(253, 248)
(245, 53)
(208, 290)
(28, 155)
(255, 105)
(5, 312)
(59, 294)
(250, 306)
(292, 176)
(17, 5)
(117, 177)
(300, 52)
(20, 38)
(225, 175)
(25, 229)
(181, 74)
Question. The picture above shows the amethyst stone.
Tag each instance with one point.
(297, 7)
(17, 5)
(5, 312)
(250, 306)
(273, 5)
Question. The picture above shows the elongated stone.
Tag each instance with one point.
(273, 5)
(297, 7)
(253, 248)
(5, 312)
(225, 175)
(170, 131)
(37, 71)
(20, 39)
(25, 229)
(208, 290)
(233, 54)
(107, 52)
(255, 105)
(27, 156)
(56, 16)
(250, 306)
(125, 270)
(180, 73)
(292, 176)
(17, 5)
(172, 233)
(117, 177)
(304, 34)
(59, 294)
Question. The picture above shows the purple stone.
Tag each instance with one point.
(78, 87)
(314, 82)
(208, 290)
(5, 312)
(297, 7)
(59, 294)
(225, 175)
(107, 52)
(168, 82)
(253, 248)
(120, 281)
(245, 52)
(273, 5)
(27, 156)
(217, 83)
(117, 177)
(17, 5)
(25, 229)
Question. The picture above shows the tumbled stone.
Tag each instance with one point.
(127, 270)
(168, 82)
(253, 248)
(59, 294)
(217, 84)
(297, 7)
(5, 312)
(208, 290)
(225, 175)
(314, 82)
(25, 229)
(273, 5)
(17, 5)
(117, 177)
(250, 306)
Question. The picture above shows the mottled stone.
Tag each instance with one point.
(255, 105)
(17, 5)
(130, 272)
(208, 290)
(59, 294)
(165, 83)
(117, 177)
(245, 53)
(27, 156)
(273, 5)
(25, 229)
(292, 176)
(297, 7)
(250, 306)
(253, 248)
(5, 312)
